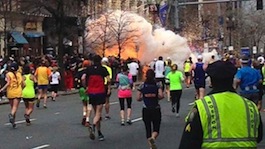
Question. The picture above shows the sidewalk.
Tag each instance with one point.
(60, 93)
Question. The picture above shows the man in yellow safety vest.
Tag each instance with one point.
(222, 119)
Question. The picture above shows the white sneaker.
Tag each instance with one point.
(191, 104)
(177, 114)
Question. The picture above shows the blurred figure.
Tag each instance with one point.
(42, 75)
(28, 93)
(86, 108)
(258, 66)
(175, 79)
(150, 92)
(94, 79)
(13, 88)
(124, 82)
(199, 77)
(133, 70)
(248, 79)
(167, 71)
(160, 71)
(105, 63)
(187, 70)
(55, 80)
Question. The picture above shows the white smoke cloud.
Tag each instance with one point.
(153, 43)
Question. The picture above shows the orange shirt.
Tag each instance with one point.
(14, 89)
(42, 74)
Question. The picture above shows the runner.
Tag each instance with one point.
(28, 93)
(175, 78)
(199, 77)
(55, 79)
(82, 93)
(167, 71)
(150, 93)
(187, 71)
(42, 74)
(160, 71)
(105, 63)
(124, 80)
(13, 88)
(94, 77)
(133, 68)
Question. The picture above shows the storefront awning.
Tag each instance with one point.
(19, 38)
(34, 34)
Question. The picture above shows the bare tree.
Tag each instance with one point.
(121, 28)
(113, 30)
(100, 38)
(253, 30)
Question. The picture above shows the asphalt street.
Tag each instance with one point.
(59, 126)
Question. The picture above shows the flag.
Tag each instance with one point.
(163, 14)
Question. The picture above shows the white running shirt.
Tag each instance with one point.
(159, 69)
(133, 68)
(55, 77)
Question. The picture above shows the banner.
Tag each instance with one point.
(163, 13)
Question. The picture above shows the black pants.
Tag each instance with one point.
(129, 103)
(175, 98)
(151, 116)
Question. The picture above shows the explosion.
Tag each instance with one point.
(134, 37)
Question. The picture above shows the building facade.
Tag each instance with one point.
(21, 31)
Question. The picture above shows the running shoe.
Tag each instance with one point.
(122, 123)
(83, 121)
(191, 104)
(91, 133)
(53, 98)
(12, 120)
(177, 115)
(38, 104)
(173, 109)
(101, 137)
(107, 117)
(45, 106)
(152, 143)
(129, 122)
(27, 119)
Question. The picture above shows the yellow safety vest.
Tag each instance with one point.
(228, 121)
(110, 74)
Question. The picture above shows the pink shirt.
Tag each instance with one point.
(124, 93)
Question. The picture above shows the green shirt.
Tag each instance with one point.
(28, 90)
(175, 80)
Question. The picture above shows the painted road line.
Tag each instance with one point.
(57, 113)
(113, 103)
(137, 119)
(42, 146)
(19, 122)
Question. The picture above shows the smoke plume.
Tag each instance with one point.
(150, 43)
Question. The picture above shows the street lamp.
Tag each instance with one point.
(230, 21)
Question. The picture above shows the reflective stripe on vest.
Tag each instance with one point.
(220, 131)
